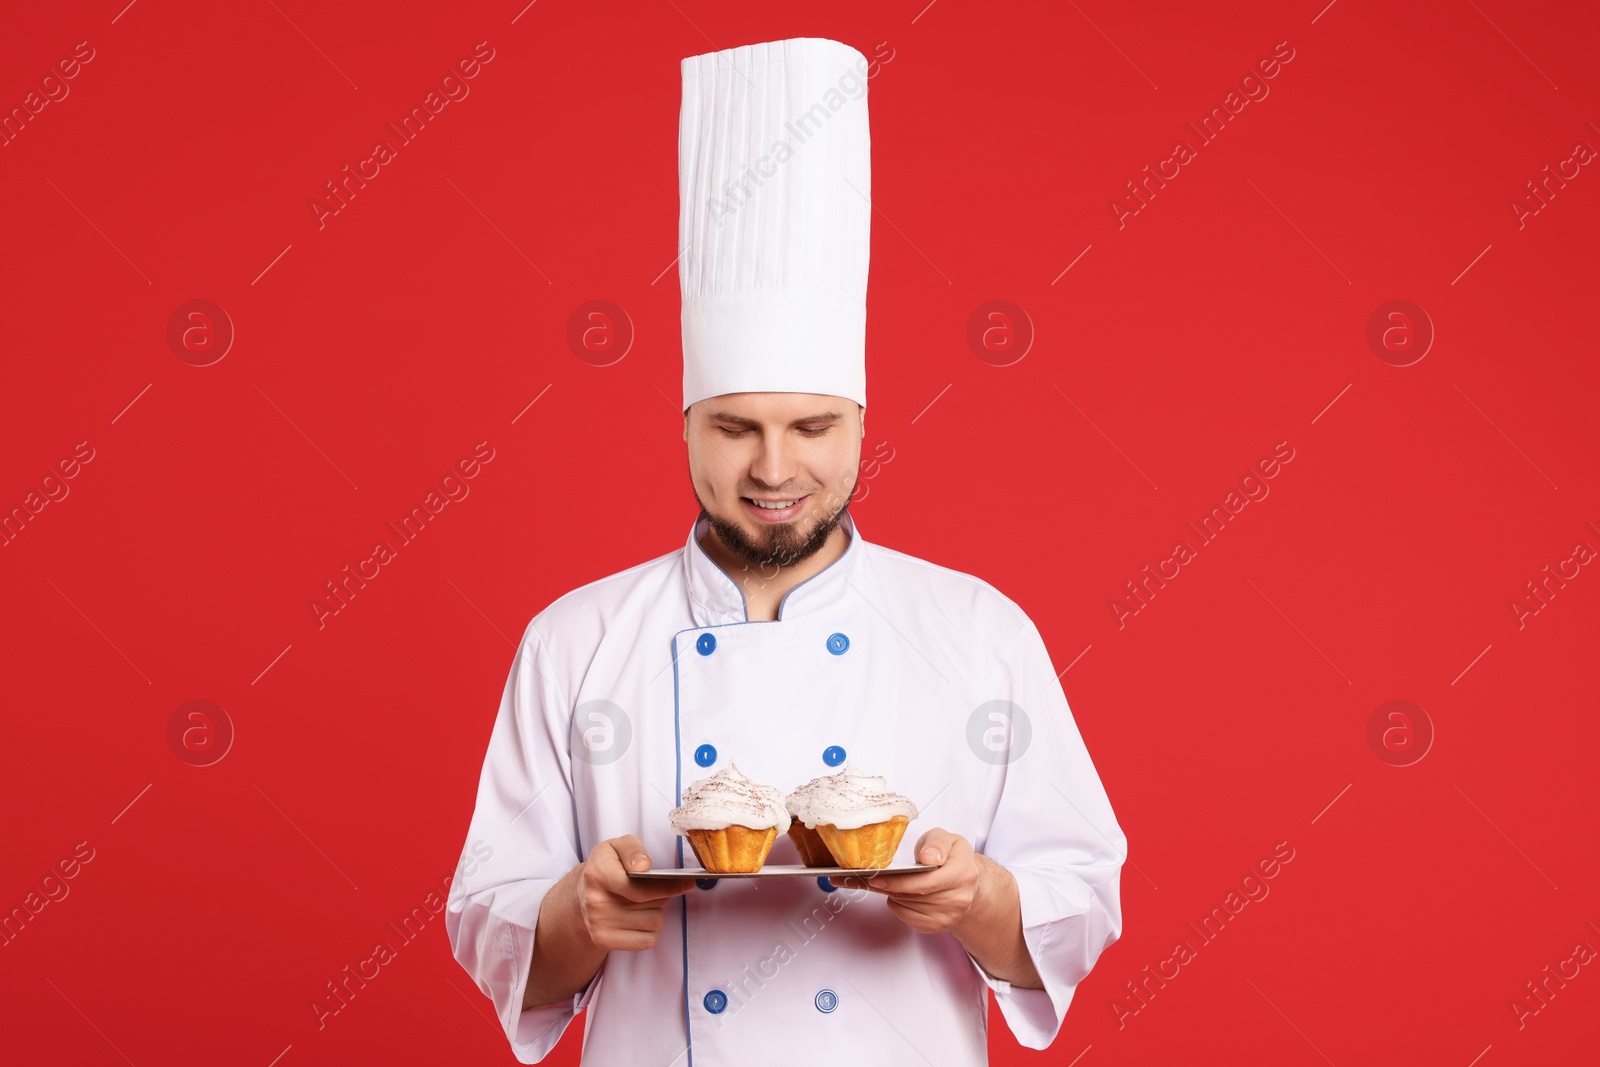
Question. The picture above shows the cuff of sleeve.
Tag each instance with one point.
(1034, 1016)
(1029, 1013)
(533, 1032)
(539, 1028)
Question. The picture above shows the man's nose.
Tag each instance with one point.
(774, 463)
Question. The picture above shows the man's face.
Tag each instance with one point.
(800, 450)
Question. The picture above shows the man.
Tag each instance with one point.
(779, 639)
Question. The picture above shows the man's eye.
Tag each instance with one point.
(816, 431)
(732, 432)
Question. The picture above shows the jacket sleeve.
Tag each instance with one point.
(521, 841)
(1054, 830)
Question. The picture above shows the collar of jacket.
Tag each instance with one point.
(716, 599)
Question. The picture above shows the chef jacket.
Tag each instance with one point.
(627, 689)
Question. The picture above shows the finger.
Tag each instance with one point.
(860, 883)
(650, 892)
(936, 846)
(871, 884)
(647, 891)
(915, 884)
(604, 867)
(955, 865)
(920, 921)
(627, 854)
(630, 852)
(649, 918)
(626, 940)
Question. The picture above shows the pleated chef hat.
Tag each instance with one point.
(774, 215)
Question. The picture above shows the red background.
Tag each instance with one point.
(374, 352)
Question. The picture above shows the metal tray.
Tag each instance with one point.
(785, 870)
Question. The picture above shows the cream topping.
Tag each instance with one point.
(848, 800)
(728, 798)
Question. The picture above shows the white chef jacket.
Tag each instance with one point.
(627, 689)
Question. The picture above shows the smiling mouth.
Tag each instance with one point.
(772, 511)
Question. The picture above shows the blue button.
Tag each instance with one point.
(706, 645)
(837, 643)
(827, 886)
(706, 883)
(826, 1001)
(833, 755)
(705, 755)
(716, 1002)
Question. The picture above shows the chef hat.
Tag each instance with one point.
(774, 214)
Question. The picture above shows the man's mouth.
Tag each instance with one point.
(774, 510)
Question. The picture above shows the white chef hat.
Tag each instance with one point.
(774, 215)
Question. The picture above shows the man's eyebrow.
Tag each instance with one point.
(826, 419)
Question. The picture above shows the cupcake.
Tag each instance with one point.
(730, 821)
(807, 842)
(855, 817)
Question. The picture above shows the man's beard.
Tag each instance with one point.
(785, 545)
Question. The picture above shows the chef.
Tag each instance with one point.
(781, 640)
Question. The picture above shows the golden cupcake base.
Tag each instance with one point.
(869, 846)
(732, 850)
(807, 842)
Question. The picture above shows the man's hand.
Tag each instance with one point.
(931, 901)
(970, 896)
(594, 908)
(618, 912)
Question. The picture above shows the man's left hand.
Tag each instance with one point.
(931, 901)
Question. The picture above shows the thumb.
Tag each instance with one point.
(934, 846)
(630, 850)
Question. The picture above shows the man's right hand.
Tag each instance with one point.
(620, 912)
